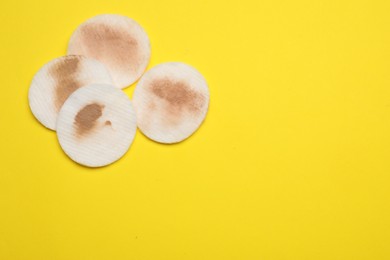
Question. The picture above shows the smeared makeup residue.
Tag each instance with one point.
(85, 120)
(65, 75)
(111, 45)
(178, 95)
(151, 105)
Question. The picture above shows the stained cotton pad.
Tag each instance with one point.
(96, 125)
(117, 41)
(59, 78)
(171, 101)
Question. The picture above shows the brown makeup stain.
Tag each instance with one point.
(178, 96)
(65, 75)
(111, 45)
(85, 120)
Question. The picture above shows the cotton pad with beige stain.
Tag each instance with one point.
(117, 41)
(96, 125)
(171, 102)
(59, 78)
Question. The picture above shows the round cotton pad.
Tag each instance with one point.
(171, 102)
(117, 41)
(59, 78)
(96, 125)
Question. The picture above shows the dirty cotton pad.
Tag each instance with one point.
(171, 101)
(117, 41)
(59, 78)
(96, 125)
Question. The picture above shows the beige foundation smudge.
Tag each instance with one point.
(117, 41)
(178, 97)
(86, 119)
(83, 125)
(57, 80)
(65, 74)
(111, 45)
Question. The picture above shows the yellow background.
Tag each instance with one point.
(291, 163)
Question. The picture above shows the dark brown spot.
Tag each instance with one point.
(178, 95)
(86, 118)
(65, 75)
(110, 44)
(108, 123)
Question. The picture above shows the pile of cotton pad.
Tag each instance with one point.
(80, 97)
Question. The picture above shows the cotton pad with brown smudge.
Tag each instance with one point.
(171, 101)
(57, 80)
(117, 41)
(96, 125)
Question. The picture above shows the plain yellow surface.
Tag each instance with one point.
(291, 163)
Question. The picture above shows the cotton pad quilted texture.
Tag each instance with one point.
(117, 41)
(59, 78)
(96, 125)
(171, 101)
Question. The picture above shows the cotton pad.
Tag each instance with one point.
(117, 41)
(96, 125)
(59, 78)
(171, 101)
